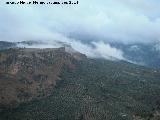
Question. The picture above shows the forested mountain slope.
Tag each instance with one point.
(52, 84)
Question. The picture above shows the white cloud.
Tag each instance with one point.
(96, 50)
(127, 21)
(112, 20)
(106, 51)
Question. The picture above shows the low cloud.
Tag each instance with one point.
(89, 26)
(93, 50)
(108, 52)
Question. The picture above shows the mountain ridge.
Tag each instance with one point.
(146, 55)
(59, 83)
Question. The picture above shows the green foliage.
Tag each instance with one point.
(96, 90)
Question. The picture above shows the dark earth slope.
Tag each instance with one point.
(51, 84)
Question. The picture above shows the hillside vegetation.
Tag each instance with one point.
(51, 84)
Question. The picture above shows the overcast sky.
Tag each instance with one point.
(96, 21)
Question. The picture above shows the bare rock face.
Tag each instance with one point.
(26, 74)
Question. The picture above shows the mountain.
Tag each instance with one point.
(143, 54)
(147, 55)
(62, 84)
(29, 73)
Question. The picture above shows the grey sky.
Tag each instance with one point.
(127, 21)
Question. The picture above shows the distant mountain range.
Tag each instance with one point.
(143, 54)
(63, 84)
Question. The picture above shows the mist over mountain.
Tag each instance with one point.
(117, 21)
(142, 54)
(95, 60)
